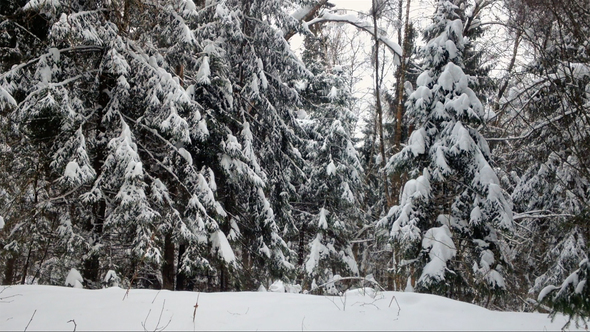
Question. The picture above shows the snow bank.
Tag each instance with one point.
(364, 309)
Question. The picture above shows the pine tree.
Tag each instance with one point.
(449, 220)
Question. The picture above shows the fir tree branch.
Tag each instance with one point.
(74, 49)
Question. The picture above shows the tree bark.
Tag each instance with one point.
(26, 267)
(400, 82)
(168, 266)
(94, 224)
(399, 114)
(180, 276)
(9, 271)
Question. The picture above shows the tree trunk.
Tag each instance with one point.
(301, 248)
(181, 276)
(26, 267)
(94, 224)
(168, 266)
(378, 106)
(399, 114)
(9, 271)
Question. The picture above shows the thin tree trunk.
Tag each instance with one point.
(400, 83)
(504, 86)
(301, 244)
(180, 73)
(378, 106)
(399, 114)
(26, 267)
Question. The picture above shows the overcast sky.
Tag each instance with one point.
(361, 5)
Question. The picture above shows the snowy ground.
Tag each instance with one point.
(58, 308)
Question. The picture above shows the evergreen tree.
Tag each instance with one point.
(333, 190)
(255, 96)
(572, 297)
(449, 220)
(115, 132)
(546, 152)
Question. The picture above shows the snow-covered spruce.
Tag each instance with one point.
(333, 191)
(449, 219)
(116, 132)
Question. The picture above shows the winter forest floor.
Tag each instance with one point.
(34, 308)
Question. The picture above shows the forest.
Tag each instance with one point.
(221, 145)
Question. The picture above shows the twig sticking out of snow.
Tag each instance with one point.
(145, 320)
(196, 306)
(30, 320)
(341, 300)
(158, 328)
(75, 325)
(2, 299)
(160, 318)
(398, 307)
(362, 304)
(370, 280)
(158, 293)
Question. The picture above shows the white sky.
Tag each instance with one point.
(361, 5)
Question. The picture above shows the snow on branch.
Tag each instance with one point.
(360, 24)
(540, 214)
(535, 128)
(304, 14)
(83, 48)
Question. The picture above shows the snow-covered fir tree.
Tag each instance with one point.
(332, 194)
(450, 215)
(109, 118)
(261, 165)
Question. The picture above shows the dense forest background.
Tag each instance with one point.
(186, 145)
